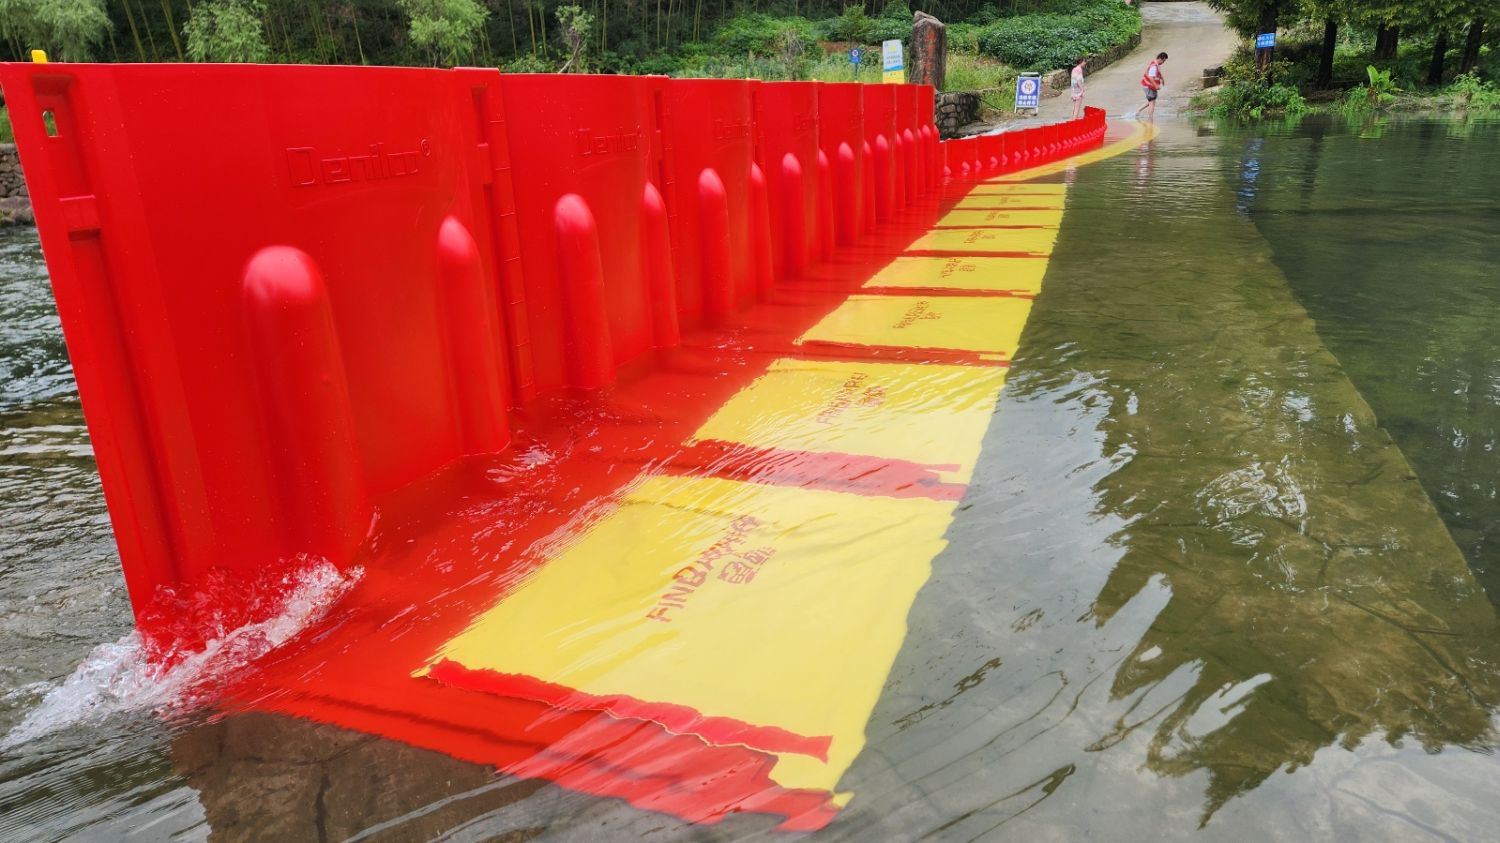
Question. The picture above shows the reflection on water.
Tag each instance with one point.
(1393, 249)
(1194, 589)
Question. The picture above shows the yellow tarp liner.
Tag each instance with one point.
(930, 415)
(994, 188)
(1020, 275)
(980, 241)
(1007, 201)
(744, 613)
(961, 217)
(988, 325)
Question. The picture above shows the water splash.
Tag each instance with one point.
(132, 674)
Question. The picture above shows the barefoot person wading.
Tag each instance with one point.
(1077, 77)
(1151, 81)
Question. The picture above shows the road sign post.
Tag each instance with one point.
(1029, 91)
(854, 57)
(892, 62)
(1265, 45)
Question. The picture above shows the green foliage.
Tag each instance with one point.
(853, 25)
(1474, 93)
(1380, 91)
(529, 63)
(764, 35)
(1242, 100)
(7, 135)
(448, 30)
(69, 30)
(574, 29)
(1056, 40)
(227, 30)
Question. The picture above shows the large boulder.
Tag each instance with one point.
(929, 51)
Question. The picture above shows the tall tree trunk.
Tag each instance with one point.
(1471, 46)
(1387, 39)
(1325, 57)
(166, 10)
(1268, 15)
(135, 34)
(1439, 53)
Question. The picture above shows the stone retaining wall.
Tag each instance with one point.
(15, 205)
(955, 109)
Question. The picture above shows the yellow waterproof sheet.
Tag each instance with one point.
(987, 325)
(1010, 201)
(1020, 275)
(997, 188)
(961, 217)
(980, 241)
(768, 607)
(930, 415)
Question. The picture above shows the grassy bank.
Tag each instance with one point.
(987, 50)
(1359, 83)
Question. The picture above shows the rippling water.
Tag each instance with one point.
(1198, 588)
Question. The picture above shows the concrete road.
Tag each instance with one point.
(1194, 37)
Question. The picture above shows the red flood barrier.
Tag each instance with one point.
(294, 296)
(880, 140)
(841, 140)
(786, 116)
(278, 322)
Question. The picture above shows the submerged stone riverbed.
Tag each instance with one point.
(1221, 573)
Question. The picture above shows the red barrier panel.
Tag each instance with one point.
(711, 221)
(880, 133)
(841, 139)
(786, 116)
(348, 246)
(583, 191)
(906, 144)
(927, 137)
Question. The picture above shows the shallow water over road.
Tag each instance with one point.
(1197, 589)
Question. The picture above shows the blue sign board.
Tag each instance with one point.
(1029, 92)
(1265, 40)
(854, 56)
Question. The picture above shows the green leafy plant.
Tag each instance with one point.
(853, 26)
(574, 28)
(71, 30)
(7, 135)
(448, 30)
(1242, 100)
(1474, 93)
(1381, 91)
(227, 30)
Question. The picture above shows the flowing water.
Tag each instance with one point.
(1226, 570)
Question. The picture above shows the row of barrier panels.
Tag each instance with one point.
(983, 156)
(276, 322)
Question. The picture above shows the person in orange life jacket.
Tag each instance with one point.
(1077, 79)
(1151, 82)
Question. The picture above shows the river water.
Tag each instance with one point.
(1227, 569)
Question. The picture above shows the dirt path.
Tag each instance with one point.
(1191, 33)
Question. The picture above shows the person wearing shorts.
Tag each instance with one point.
(1151, 83)
(1077, 79)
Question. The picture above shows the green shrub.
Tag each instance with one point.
(1242, 100)
(1056, 40)
(853, 26)
(526, 63)
(6, 134)
(1472, 92)
(764, 35)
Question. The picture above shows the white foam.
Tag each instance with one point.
(118, 677)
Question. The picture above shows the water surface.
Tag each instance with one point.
(1205, 584)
